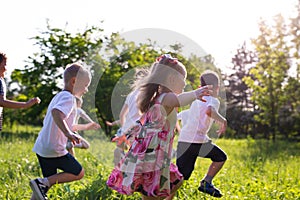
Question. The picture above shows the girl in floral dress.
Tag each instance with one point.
(147, 167)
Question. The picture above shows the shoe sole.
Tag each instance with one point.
(210, 193)
(35, 190)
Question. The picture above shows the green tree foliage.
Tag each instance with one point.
(122, 58)
(43, 74)
(268, 77)
(240, 107)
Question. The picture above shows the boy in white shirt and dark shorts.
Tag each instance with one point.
(50, 146)
(193, 140)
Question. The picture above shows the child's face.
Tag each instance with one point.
(81, 86)
(2, 67)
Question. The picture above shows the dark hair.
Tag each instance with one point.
(2, 57)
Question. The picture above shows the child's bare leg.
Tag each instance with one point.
(213, 169)
(64, 177)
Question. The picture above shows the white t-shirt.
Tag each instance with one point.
(51, 141)
(133, 112)
(183, 116)
(196, 126)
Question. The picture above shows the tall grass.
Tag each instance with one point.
(255, 169)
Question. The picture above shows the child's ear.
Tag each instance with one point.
(73, 80)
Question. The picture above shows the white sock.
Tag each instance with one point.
(44, 181)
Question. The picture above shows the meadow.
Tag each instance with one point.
(255, 169)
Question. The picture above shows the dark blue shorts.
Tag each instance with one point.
(187, 154)
(66, 163)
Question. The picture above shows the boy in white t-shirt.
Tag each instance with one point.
(193, 140)
(50, 146)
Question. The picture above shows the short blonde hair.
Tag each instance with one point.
(75, 70)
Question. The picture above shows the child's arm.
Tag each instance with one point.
(58, 118)
(84, 115)
(15, 104)
(213, 113)
(172, 100)
(114, 123)
(88, 126)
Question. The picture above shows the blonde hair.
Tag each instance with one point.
(165, 65)
(75, 70)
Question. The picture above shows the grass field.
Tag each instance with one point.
(254, 170)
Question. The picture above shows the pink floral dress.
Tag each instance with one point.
(147, 167)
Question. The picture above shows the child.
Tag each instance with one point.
(129, 114)
(50, 146)
(83, 144)
(9, 103)
(147, 167)
(193, 140)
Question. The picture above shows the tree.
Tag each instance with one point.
(240, 107)
(268, 77)
(43, 74)
(114, 85)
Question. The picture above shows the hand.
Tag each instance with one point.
(93, 126)
(109, 123)
(203, 91)
(120, 140)
(222, 128)
(75, 138)
(35, 100)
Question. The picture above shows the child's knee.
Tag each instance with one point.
(80, 175)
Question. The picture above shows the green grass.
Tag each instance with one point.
(254, 170)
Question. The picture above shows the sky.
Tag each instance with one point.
(217, 27)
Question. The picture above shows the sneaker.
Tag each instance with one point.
(209, 189)
(39, 189)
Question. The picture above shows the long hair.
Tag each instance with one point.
(157, 77)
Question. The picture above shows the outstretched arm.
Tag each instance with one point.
(172, 100)
(88, 126)
(83, 115)
(15, 104)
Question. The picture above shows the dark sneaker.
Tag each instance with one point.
(39, 189)
(209, 189)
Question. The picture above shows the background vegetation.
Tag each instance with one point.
(261, 97)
